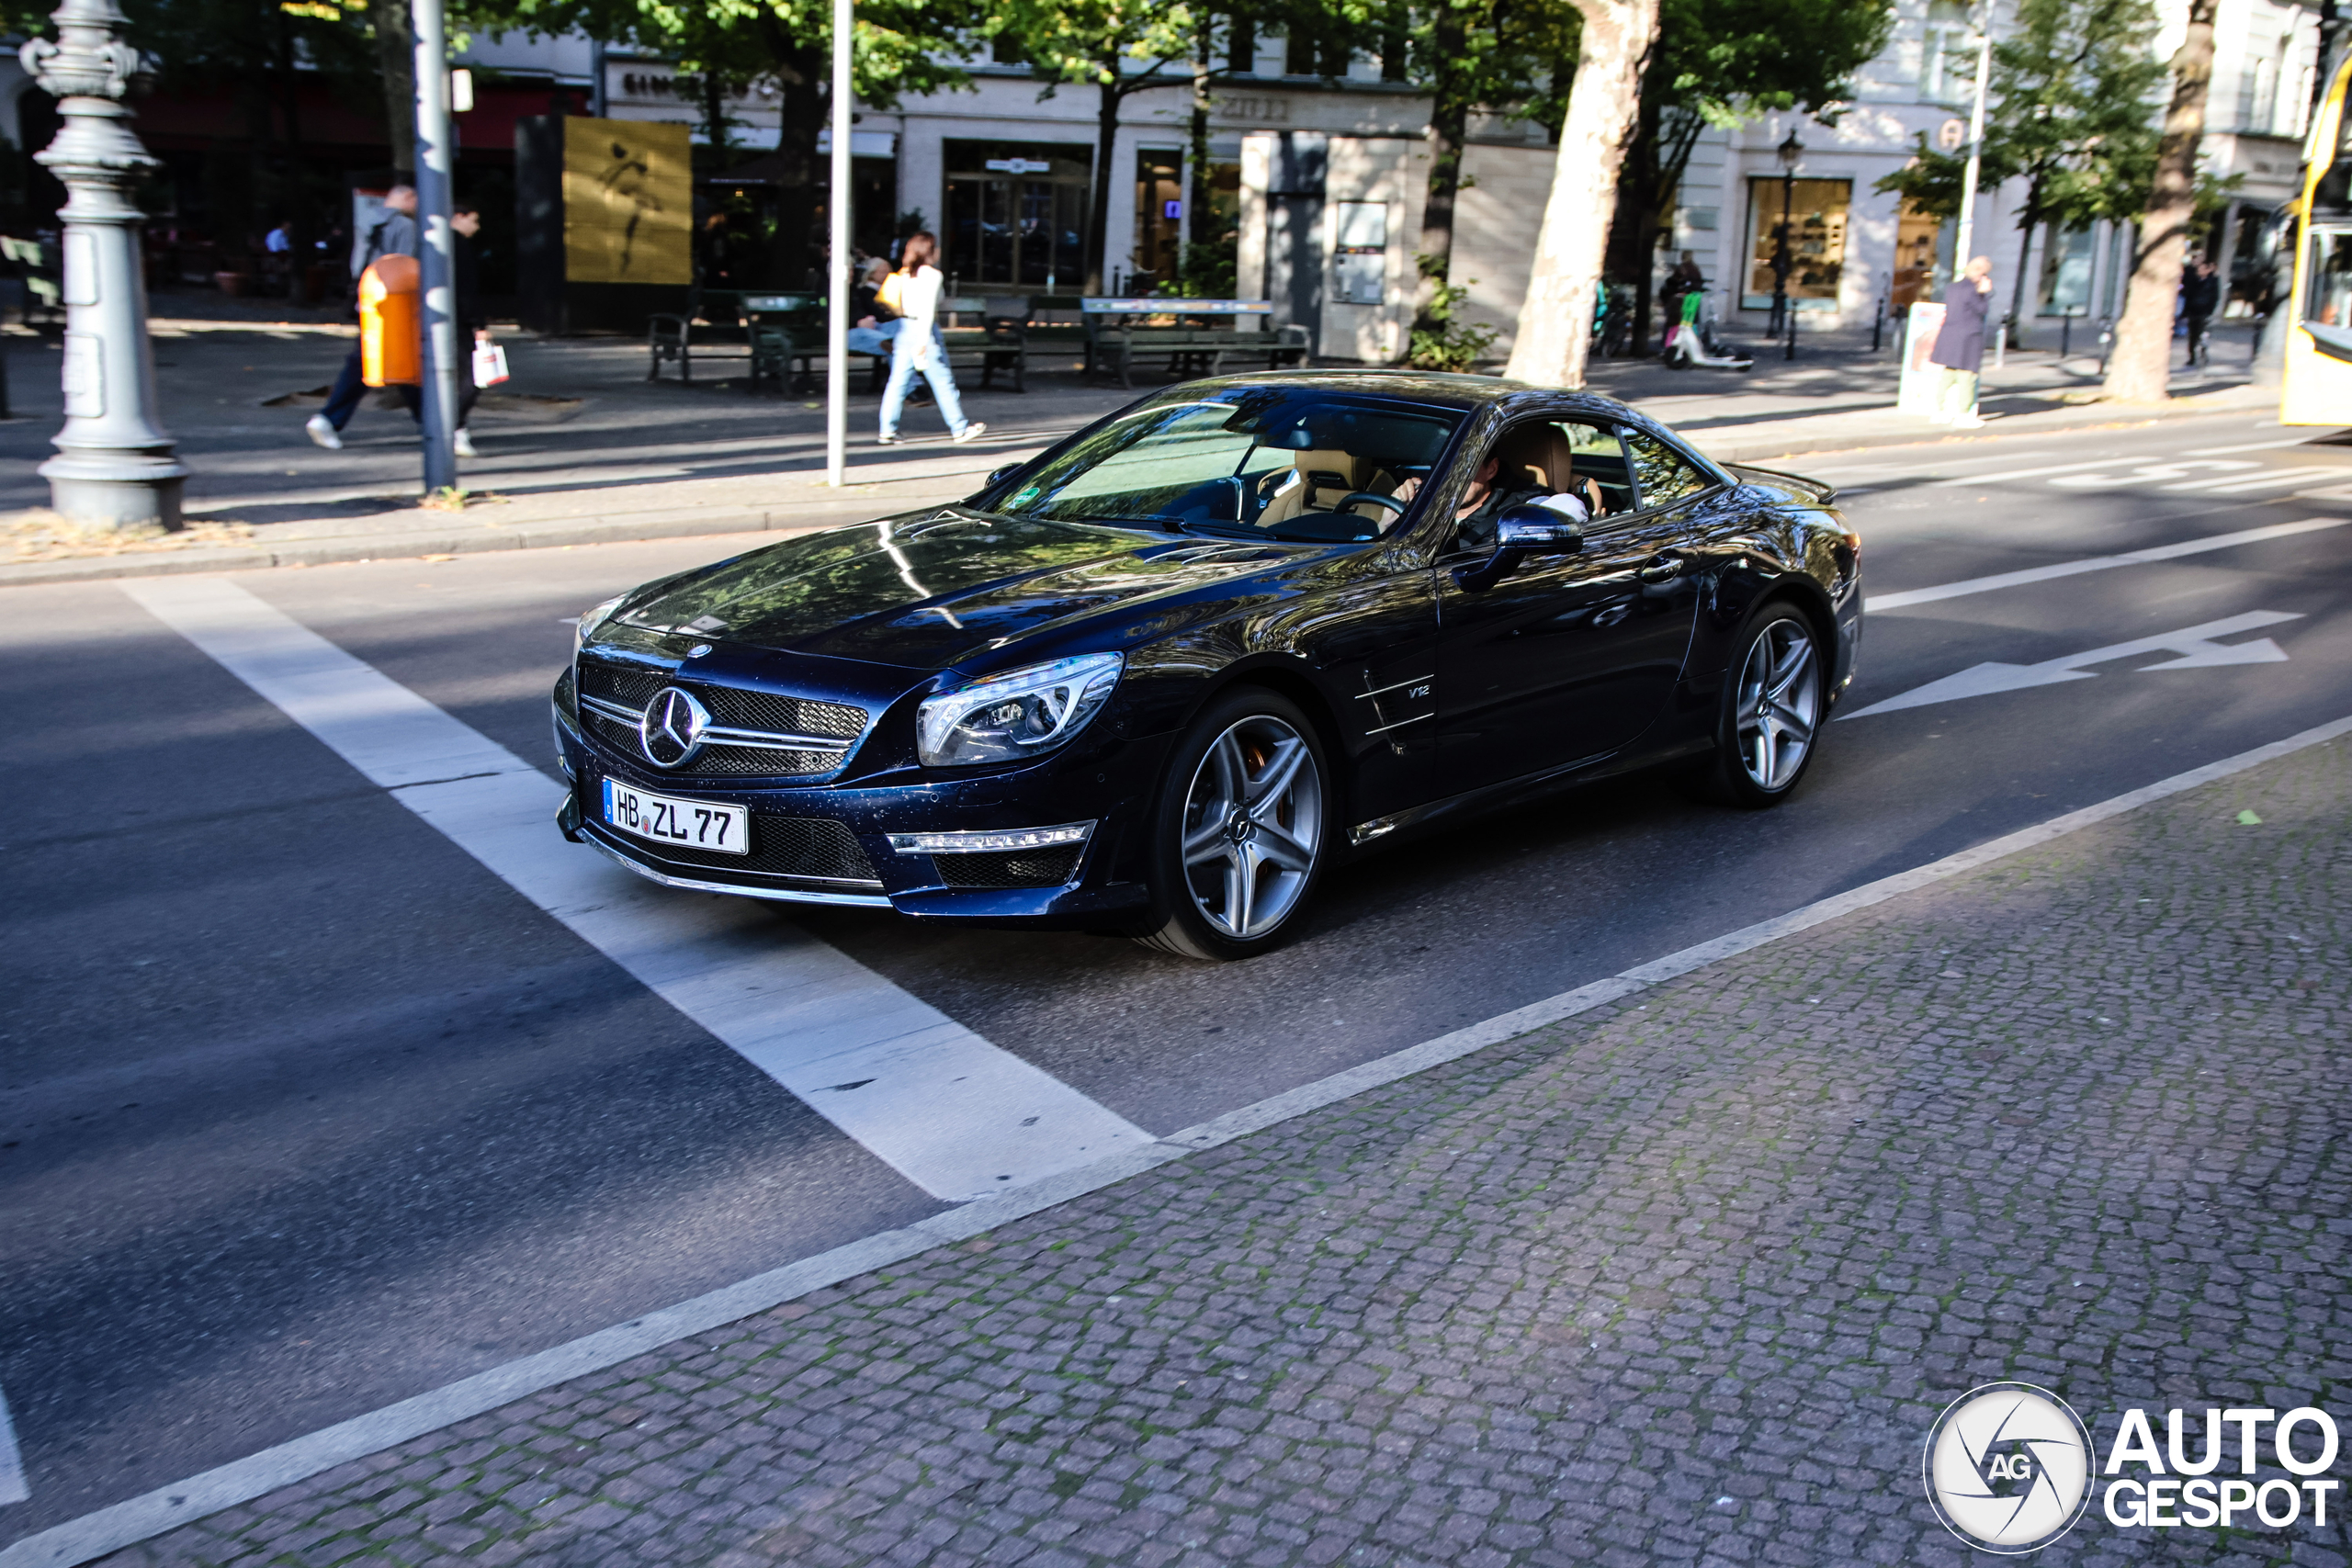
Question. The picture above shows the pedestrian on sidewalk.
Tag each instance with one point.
(1960, 344)
(913, 292)
(2200, 296)
(394, 235)
(465, 221)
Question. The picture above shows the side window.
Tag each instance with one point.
(1662, 474)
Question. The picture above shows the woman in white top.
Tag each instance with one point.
(916, 345)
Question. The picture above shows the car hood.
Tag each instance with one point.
(926, 589)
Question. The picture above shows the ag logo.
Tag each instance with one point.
(2008, 1468)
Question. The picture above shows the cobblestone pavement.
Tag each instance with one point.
(1681, 1282)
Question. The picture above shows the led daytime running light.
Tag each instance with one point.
(980, 843)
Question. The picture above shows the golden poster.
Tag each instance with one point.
(627, 202)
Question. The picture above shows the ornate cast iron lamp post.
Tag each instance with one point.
(114, 467)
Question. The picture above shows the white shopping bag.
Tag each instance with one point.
(490, 364)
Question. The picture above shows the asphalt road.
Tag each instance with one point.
(307, 1112)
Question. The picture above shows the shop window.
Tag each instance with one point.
(2065, 287)
(1159, 213)
(1816, 255)
(1918, 237)
(1016, 215)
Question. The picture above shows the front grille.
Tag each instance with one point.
(781, 846)
(737, 761)
(630, 688)
(734, 706)
(1010, 868)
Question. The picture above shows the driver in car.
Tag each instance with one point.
(1483, 501)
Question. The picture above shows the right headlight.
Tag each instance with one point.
(585, 627)
(1022, 713)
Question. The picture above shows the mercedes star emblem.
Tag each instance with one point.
(672, 730)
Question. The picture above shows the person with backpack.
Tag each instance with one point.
(913, 291)
(396, 234)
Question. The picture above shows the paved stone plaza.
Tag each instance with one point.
(1676, 1282)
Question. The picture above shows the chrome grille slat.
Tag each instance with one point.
(795, 735)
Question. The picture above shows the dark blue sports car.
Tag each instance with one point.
(1159, 678)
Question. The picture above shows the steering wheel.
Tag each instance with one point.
(1349, 498)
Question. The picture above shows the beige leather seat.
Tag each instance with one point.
(1324, 479)
(1535, 457)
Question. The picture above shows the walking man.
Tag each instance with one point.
(396, 234)
(2200, 296)
(1960, 344)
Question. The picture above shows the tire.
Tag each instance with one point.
(1775, 700)
(1241, 829)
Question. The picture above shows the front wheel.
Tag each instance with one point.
(1772, 710)
(1238, 834)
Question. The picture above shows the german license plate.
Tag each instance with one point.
(665, 820)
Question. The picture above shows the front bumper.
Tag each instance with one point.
(832, 844)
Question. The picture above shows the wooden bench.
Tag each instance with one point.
(1119, 331)
(998, 345)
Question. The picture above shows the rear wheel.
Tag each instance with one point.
(1772, 710)
(1238, 838)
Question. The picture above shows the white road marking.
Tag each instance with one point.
(955, 1115)
(1910, 596)
(12, 1460)
(2272, 479)
(241, 1480)
(2110, 461)
(2149, 473)
(2193, 644)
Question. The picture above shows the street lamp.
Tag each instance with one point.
(1790, 153)
(114, 467)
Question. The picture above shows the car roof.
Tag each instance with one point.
(1465, 392)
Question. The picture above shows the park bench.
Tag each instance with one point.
(1119, 331)
(728, 326)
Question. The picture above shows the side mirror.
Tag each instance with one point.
(1538, 530)
(1520, 532)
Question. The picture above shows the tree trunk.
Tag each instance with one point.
(1632, 228)
(1449, 121)
(1555, 323)
(2027, 219)
(396, 51)
(802, 73)
(2139, 368)
(1197, 140)
(1098, 211)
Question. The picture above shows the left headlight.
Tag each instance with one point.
(1022, 713)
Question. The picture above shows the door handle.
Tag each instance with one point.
(1661, 569)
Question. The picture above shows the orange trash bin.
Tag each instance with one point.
(391, 326)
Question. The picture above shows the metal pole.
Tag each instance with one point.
(437, 255)
(115, 467)
(837, 322)
(1963, 247)
(1788, 260)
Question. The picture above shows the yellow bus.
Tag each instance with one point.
(2318, 386)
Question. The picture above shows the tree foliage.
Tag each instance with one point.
(1721, 63)
(2072, 93)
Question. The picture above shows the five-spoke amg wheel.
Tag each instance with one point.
(1239, 831)
(1773, 709)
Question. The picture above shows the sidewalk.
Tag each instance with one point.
(1682, 1279)
(580, 449)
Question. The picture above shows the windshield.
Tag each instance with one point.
(1256, 462)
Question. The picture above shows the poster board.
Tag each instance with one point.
(1921, 380)
(627, 201)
